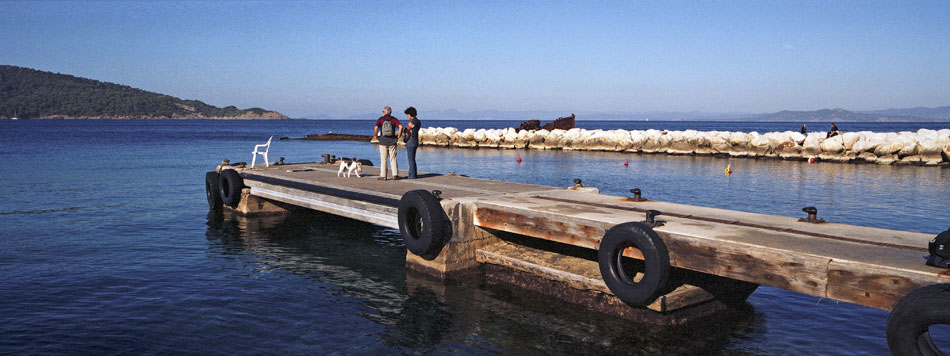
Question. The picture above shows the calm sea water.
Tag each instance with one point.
(107, 247)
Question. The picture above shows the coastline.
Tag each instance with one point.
(64, 117)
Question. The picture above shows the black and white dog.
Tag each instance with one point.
(350, 165)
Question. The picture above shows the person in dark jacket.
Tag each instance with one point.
(413, 142)
(833, 132)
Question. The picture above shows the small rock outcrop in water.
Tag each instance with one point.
(923, 147)
(333, 137)
(562, 123)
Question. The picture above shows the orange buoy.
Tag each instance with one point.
(811, 160)
(728, 169)
(626, 163)
(519, 158)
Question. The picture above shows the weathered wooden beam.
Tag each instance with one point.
(354, 209)
(780, 269)
(802, 258)
(541, 225)
(874, 286)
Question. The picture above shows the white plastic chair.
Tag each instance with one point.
(257, 151)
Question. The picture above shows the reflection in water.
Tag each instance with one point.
(417, 314)
(321, 246)
(522, 322)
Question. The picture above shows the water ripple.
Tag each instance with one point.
(63, 210)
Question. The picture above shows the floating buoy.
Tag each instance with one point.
(519, 159)
(626, 163)
(811, 160)
(728, 169)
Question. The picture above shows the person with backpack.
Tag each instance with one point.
(386, 131)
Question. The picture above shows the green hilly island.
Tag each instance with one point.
(34, 94)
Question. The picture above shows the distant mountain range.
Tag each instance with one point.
(939, 114)
(33, 94)
(890, 115)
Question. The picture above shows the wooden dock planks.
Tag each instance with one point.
(866, 266)
(317, 186)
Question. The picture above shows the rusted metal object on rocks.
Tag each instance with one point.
(562, 123)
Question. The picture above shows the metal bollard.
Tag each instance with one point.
(651, 218)
(812, 215)
(636, 195)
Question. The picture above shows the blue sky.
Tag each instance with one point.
(348, 57)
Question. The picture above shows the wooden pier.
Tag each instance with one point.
(549, 239)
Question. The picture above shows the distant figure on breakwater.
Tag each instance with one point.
(804, 129)
(387, 129)
(413, 142)
(833, 132)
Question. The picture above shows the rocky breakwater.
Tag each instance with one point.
(923, 147)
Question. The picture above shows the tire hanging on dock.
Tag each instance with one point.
(908, 327)
(211, 190)
(229, 187)
(423, 224)
(614, 268)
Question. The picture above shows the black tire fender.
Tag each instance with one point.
(423, 224)
(908, 326)
(229, 186)
(656, 264)
(212, 191)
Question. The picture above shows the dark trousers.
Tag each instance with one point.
(411, 147)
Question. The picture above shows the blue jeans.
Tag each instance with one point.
(411, 147)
